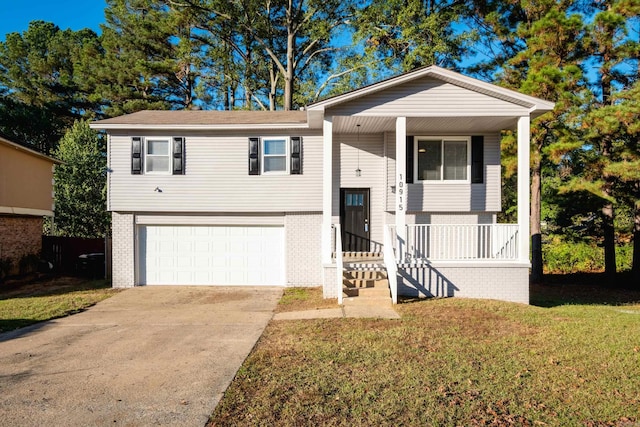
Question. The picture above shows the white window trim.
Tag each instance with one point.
(287, 161)
(146, 154)
(442, 139)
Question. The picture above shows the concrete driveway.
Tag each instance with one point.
(146, 356)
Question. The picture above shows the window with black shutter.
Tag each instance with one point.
(157, 155)
(275, 155)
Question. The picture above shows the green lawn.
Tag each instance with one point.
(23, 304)
(449, 362)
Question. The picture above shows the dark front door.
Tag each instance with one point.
(354, 217)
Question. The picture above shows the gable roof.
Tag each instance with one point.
(201, 119)
(535, 105)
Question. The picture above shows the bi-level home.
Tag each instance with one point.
(407, 168)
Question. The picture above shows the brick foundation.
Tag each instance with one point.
(20, 236)
(508, 282)
(303, 242)
(123, 250)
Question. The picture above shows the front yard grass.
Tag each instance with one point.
(25, 304)
(457, 362)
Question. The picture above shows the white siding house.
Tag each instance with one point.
(409, 166)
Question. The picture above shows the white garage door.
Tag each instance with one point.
(211, 255)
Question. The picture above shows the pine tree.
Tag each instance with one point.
(148, 59)
(606, 132)
(542, 44)
(42, 84)
(401, 35)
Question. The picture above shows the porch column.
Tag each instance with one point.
(327, 187)
(524, 148)
(401, 179)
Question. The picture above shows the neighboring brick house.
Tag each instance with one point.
(26, 197)
(408, 167)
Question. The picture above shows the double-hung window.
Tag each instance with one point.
(157, 155)
(275, 155)
(442, 159)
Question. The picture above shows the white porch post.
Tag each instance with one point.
(327, 187)
(523, 187)
(401, 179)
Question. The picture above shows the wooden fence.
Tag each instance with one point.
(63, 253)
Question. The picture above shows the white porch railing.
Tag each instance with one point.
(390, 263)
(458, 242)
(339, 262)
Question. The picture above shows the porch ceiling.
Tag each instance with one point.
(430, 125)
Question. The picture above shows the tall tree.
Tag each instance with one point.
(80, 184)
(43, 84)
(149, 57)
(406, 34)
(611, 47)
(607, 143)
(543, 45)
(277, 40)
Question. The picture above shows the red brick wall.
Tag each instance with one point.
(20, 236)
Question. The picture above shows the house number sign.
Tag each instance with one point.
(400, 190)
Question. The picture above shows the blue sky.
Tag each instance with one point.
(15, 15)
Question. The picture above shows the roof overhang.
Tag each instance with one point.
(205, 120)
(140, 126)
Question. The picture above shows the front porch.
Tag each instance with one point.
(423, 150)
(435, 260)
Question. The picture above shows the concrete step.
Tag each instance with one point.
(365, 280)
(366, 283)
(367, 301)
(376, 266)
(367, 293)
(365, 275)
(362, 256)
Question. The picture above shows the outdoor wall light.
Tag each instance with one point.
(158, 190)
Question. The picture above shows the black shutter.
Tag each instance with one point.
(178, 156)
(254, 156)
(136, 155)
(477, 159)
(410, 160)
(296, 155)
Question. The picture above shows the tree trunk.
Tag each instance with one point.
(537, 275)
(609, 242)
(635, 266)
(288, 78)
(273, 80)
(607, 209)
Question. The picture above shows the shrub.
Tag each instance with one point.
(562, 257)
(28, 264)
(5, 267)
